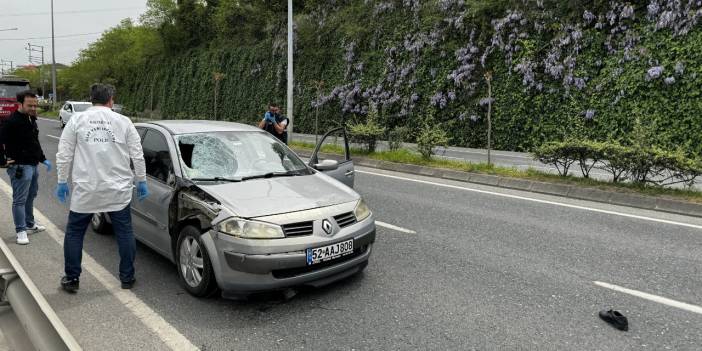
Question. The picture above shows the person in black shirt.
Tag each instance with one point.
(20, 153)
(274, 123)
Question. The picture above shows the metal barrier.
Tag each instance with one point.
(43, 327)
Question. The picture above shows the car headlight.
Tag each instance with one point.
(250, 229)
(362, 211)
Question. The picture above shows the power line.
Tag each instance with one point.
(71, 12)
(58, 36)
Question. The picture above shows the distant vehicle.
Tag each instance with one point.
(117, 108)
(71, 108)
(9, 87)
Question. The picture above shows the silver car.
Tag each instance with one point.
(239, 212)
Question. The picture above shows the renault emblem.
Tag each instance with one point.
(327, 226)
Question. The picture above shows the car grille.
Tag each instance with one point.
(345, 219)
(298, 229)
(292, 272)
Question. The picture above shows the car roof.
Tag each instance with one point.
(200, 126)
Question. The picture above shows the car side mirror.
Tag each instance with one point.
(327, 165)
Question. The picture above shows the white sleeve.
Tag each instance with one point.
(284, 123)
(66, 151)
(136, 153)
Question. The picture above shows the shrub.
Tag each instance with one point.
(369, 132)
(397, 136)
(556, 153)
(429, 138)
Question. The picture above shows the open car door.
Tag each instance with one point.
(339, 167)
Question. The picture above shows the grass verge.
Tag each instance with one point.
(409, 157)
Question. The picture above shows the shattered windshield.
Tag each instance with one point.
(235, 155)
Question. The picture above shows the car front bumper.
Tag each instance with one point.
(244, 266)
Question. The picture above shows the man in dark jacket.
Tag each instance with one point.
(274, 123)
(20, 153)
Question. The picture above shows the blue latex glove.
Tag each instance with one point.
(47, 163)
(62, 192)
(142, 191)
(269, 117)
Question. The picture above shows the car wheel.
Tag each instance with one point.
(100, 225)
(62, 124)
(194, 266)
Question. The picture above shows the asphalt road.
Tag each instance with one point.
(472, 267)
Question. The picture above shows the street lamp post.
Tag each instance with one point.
(290, 70)
(53, 58)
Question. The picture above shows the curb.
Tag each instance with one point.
(563, 190)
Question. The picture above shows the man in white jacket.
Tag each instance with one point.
(99, 144)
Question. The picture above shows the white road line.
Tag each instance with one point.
(677, 304)
(394, 227)
(159, 326)
(52, 136)
(537, 200)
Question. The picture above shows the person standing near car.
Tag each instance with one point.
(20, 153)
(274, 123)
(99, 144)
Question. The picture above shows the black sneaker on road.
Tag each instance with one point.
(129, 284)
(70, 285)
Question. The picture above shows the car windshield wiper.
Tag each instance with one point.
(217, 179)
(275, 174)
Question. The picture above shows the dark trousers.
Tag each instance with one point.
(75, 233)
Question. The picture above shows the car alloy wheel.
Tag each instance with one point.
(99, 224)
(193, 262)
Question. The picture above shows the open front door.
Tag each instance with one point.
(339, 167)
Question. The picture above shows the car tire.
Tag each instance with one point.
(62, 124)
(100, 225)
(195, 270)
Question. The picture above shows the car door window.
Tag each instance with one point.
(156, 155)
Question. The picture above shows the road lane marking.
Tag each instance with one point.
(48, 119)
(159, 326)
(666, 301)
(537, 200)
(55, 137)
(394, 227)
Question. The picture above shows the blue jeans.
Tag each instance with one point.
(24, 191)
(75, 233)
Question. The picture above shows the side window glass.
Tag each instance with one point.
(142, 132)
(156, 155)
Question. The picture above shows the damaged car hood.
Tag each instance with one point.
(264, 197)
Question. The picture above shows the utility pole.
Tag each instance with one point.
(37, 61)
(53, 58)
(290, 70)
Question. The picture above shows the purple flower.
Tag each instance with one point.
(414, 97)
(653, 9)
(588, 17)
(474, 118)
(654, 73)
(579, 83)
(680, 68)
(589, 114)
(627, 12)
(451, 95)
(669, 80)
(486, 101)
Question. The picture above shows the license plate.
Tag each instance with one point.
(329, 252)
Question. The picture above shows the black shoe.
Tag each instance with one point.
(616, 319)
(70, 285)
(129, 284)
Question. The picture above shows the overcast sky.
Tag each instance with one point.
(33, 20)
